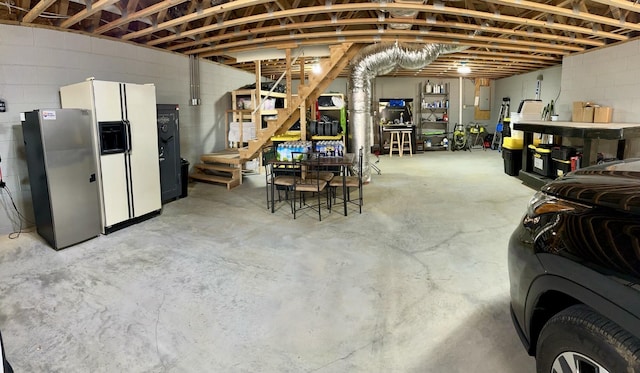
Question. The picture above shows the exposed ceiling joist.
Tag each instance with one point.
(37, 10)
(90, 10)
(503, 37)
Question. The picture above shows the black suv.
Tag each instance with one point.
(5, 368)
(574, 268)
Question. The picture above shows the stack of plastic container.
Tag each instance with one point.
(287, 150)
(330, 148)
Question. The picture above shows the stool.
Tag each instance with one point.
(406, 134)
(395, 138)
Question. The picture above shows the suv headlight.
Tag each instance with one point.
(542, 203)
(545, 214)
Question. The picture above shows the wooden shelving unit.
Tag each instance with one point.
(245, 102)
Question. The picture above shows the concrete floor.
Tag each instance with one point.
(416, 283)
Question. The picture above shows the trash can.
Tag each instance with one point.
(184, 176)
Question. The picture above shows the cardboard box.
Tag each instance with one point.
(582, 112)
(576, 113)
(587, 114)
(603, 114)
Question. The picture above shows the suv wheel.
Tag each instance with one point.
(579, 339)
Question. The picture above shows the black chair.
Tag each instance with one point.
(352, 181)
(309, 183)
(278, 176)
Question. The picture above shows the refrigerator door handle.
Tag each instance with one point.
(128, 130)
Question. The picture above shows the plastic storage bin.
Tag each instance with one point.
(562, 167)
(184, 176)
(512, 161)
(512, 143)
(542, 164)
(562, 153)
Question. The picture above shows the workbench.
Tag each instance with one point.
(590, 133)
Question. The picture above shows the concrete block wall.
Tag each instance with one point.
(35, 62)
(608, 76)
(523, 86)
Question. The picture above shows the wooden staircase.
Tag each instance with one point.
(318, 83)
(226, 167)
(221, 168)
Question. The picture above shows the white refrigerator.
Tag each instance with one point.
(126, 143)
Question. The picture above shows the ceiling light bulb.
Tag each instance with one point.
(464, 69)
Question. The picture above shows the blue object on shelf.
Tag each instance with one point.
(396, 103)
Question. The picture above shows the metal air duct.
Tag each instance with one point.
(380, 59)
(402, 13)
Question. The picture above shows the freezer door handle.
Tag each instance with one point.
(128, 129)
(92, 178)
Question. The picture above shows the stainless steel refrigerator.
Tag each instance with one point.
(62, 174)
(125, 127)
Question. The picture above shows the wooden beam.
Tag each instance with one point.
(63, 7)
(370, 36)
(371, 21)
(258, 66)
(571, 13)
(288, 72)
(233, 5)
(393, 39)
(192, 7)
(132, 5)
(506, 55)
(143, 13)
(37, 10)
(87, 12)
(622, 4)
(365, 6)
(302, 74)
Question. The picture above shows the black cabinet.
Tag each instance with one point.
(169, 152)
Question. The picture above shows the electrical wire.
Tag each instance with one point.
(43, 14)
(558, 96)
(21, 217)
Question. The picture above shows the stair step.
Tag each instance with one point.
(217, 167)
(226, 157)
(228, 181)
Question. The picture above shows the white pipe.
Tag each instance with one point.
(196, 64)
(191, 93)
(460, 100)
